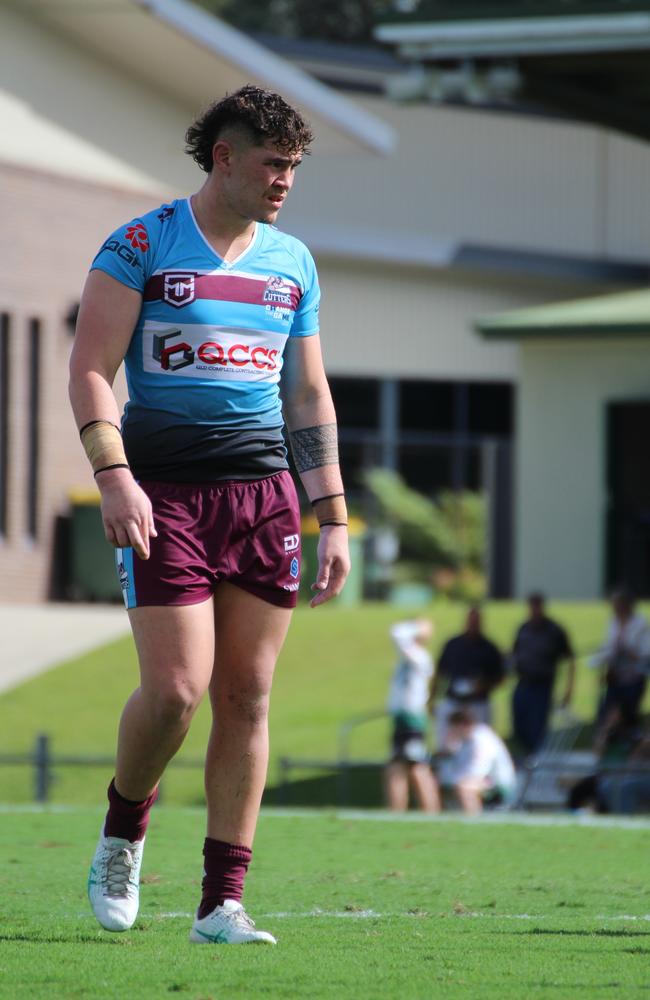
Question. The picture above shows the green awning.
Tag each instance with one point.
(623, 314)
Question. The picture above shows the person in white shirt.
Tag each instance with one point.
(624, 658)
(407, 704)
(480, 766)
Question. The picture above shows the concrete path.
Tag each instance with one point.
(35, 638)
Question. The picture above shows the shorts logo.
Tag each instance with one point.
(137, 236)
(291, 542)
(179, 288)
(294, 569)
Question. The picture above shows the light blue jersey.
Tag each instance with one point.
(204, 364)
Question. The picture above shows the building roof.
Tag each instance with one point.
(191, 55)
(590, 61)
(622, 314)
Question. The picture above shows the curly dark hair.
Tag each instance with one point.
(265, 116)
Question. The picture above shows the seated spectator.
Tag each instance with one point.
(409, 766)
(624, 658)
(470, 668)
(619, 741)
(540, 645)
(480, 768)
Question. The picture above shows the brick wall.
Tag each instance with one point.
(51, 229)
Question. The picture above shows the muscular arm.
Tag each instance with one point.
(311, 422)
(107, 317)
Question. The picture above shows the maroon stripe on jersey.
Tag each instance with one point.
(228, 288)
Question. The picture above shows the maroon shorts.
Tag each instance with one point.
(245, 533)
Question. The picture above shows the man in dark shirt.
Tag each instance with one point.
(471, 666)
(540, 645)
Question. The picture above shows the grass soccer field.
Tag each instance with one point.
(336, 663)
(362, 906)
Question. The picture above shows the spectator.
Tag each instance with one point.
(624, 658)
(407, 703)
(471, 666)
(619, 741)
(481, 768)
(540, 645)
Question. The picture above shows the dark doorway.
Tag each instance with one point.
(628, 496)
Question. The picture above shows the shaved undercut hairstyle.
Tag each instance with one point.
(259, 115)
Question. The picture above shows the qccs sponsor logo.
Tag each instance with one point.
(170, 353)
(238, 355)
(173, 353)
(179, 288)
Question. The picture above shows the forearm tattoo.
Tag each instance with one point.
(314, 446)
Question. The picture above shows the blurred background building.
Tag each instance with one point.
(432, 204)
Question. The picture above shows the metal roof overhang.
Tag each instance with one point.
(593, 67)
(519, 36)
(625, 314)
(185, 52)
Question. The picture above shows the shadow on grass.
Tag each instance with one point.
(37, 937)
(563, 932)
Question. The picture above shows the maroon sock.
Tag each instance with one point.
(125, 818)
(224, 871)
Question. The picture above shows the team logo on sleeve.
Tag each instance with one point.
(179, 288)
(137, 236)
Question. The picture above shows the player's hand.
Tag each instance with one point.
(333, 563)
(126, 511)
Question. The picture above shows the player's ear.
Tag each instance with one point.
(222, 153)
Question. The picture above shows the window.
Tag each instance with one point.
(356, 401)
(33, 426)
(4, 422)
(490, 408)
(426, 406)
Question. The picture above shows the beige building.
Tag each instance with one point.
(583, 425)
(420, 218)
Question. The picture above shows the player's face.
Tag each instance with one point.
(260, 180)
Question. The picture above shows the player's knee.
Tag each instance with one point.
(175, 704)
(250, 707)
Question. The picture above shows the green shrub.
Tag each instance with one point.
(441, 541)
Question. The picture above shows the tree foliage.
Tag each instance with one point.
(446, 533)
(343, 21)
(442, 542)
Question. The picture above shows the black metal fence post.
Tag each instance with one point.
(42, 767)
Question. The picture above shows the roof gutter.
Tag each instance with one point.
(518, 36)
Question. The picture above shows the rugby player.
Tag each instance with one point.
(213, 310)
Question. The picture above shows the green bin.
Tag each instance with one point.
(92, 574)
(352, 593)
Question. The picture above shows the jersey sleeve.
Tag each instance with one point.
(305, 321)
(126, 255)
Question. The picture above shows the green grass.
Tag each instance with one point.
(361, 908)
(336, 663)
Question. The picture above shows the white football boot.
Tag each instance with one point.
(114, 882)
(228, 924)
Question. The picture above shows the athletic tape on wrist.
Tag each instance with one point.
(330, 509)
(102, 443)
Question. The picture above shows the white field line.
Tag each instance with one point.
(375, 915)
(382, 816)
